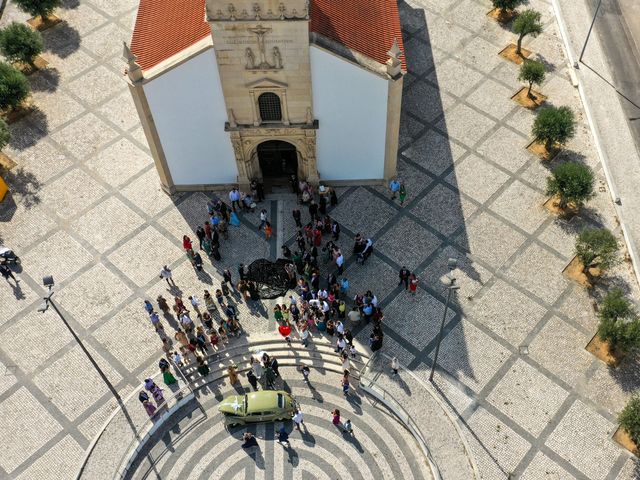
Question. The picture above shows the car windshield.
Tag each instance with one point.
(244, 406)
(280, 401)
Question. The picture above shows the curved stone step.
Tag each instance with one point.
(118, 435)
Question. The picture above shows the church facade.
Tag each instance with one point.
(231, 90)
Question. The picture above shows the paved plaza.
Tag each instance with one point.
(86, 207)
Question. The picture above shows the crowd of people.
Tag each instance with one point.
(318, 307)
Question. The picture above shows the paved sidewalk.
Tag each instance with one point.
(618, 149)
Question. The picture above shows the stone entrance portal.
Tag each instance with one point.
(278, 160)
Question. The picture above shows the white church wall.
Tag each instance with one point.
(351, 106)
(189, 113)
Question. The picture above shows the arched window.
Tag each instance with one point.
(269, 105)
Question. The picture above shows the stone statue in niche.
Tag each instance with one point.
(277, 58)
(251, 59)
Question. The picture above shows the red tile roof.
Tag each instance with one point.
(166, 27)
(366, 26)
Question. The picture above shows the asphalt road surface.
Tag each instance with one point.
(618, 27)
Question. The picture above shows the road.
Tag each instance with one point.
(618, 27)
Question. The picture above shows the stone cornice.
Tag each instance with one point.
(231, 14)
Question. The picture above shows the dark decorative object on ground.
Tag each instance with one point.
(271, 277)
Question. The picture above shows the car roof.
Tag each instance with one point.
(264, 400)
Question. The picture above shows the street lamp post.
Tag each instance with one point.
(452, 286)
(593, 21)
(48, 301)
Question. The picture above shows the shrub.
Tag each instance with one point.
(597, 247)
(554, 125)
(507, 4)
(5, 135)
(37, 8)
(527, 23)
(19, 43)
(532, 72)
(629, 418)
(572, 182)
(14, 87)
(619, 323)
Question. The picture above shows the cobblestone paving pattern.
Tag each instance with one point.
(86, 207)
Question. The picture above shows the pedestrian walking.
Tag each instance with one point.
(149, 407)
(413, 284)
(402, 194)
(348, 428)
(298, 419)
(200, 233)
(251, 378)
(234, 198)
(268, 231)
(148, 307)
(304, 369)
(195, 303)
(297, 217)
(394, 186)
(186, 243)
(283, 437)
(269, 378)
(394, 365)
(335, 230)
(345, 383)
(304, 336)
(404, 275)
(163, 305)
(226, 277)
(335, 419)
(249, 441)
(167, 275)
(340, 263)
(6, 272)
(263, 219)
(203, 368)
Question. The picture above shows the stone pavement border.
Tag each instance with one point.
(630, 163)
(447, 457)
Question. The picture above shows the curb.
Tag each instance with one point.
(604, 161)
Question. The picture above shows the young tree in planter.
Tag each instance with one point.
(14, 87)
(19, 43)
(629, 418)
(619, 323)
(572, 182)
(527, 23)
(532, 72)
(596, 247)
(38, 8)
(554, 126)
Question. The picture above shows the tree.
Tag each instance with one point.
(553, 126)
(14, 87)
(572, 182)
(507, 5)
(527, 23)
(596, 247)
(629, 418)
(532, 72)
(38, 8)
(5, 135)
(19, 43)
(619, 323)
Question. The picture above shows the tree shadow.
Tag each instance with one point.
(24, 188)
(61, 40)
(46, 80)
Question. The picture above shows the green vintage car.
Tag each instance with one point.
(262, 406)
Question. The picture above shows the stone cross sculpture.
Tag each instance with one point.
(261, 31)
